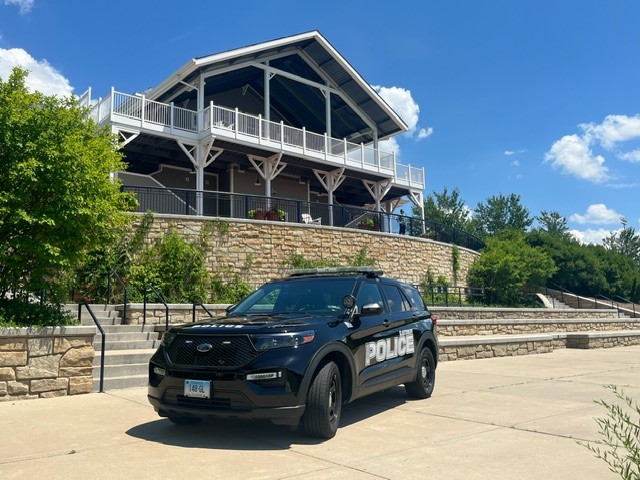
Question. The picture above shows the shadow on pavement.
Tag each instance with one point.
(245, 435)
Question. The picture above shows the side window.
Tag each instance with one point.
(369, 293)
(414, 297)
(396, 301)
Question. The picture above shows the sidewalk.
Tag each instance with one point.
(498, 418)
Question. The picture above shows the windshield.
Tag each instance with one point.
(312, 295)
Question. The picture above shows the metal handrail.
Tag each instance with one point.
(126, 293)
(450, 292)
(103, 343)
(256, 207)
(162, 300)
(204, 307)
(563, 291)
(626, 301)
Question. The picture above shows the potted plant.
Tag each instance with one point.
(257, 214)
(276, 214)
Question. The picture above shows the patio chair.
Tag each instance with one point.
(306, 218)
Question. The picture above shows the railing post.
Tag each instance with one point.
(171, 119)
(144, 304)
(304, 140)
(142, 115)
(260, 128)
(281, 134)
(362, 155)
(236, 122)
(344, 152)
(326, 146)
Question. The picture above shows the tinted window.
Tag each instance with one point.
(414, 297)
(369, 293)
(396, 301)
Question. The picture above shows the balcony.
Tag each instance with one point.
(138, 112)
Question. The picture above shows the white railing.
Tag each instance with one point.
(237, 124)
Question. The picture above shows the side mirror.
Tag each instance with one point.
(371, 309)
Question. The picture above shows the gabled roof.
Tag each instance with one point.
(315, 50)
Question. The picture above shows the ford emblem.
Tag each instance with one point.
(204, 347)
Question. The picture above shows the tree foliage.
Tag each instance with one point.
(507, 265)
(447, 208)
(626, 242)
(500, 213)
(57, 201)
(554, 224)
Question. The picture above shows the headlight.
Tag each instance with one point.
(167, 338)
(282, 340)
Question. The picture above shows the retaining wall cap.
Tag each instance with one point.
(79, 330)
(495, 339)
(617, 333)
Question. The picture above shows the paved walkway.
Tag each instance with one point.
(500, 418)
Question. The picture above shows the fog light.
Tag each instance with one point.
(159, 371)
(264, 376)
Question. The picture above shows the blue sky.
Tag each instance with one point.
(541, 99)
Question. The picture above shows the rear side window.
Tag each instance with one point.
(396, 301)
(414, 297)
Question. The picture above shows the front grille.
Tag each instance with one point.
(228, 351)
(208, 403)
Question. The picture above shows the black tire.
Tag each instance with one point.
(422, 386)
(324, 403)
(183, 420)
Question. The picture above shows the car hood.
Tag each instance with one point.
(252, 324)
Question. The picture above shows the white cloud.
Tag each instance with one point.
(613, 130)
(402, 102)
(25, 5)
(632, 156)
(390, 145)
(572, 155)
(515, 163)
(599, 214)
(42, 76)
(513, 152)
(425, 133)
(592, 236)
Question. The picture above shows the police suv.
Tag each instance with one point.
(296, 350)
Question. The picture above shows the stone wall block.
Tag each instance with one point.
(75, 371)
(39, 367)
(54, 393)
(78, 385)
(46, 385)
(7, 373)
(78, 357)
(13, 344)
(10, 359)
(3, 389)
(62, 344)
(17, 388)
(40, 346)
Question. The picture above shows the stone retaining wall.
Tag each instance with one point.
(257, 250)
(178, 313)
(484, 313)
(47, 362)
(511, 327)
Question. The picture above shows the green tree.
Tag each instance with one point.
(507, 265)
(626, 242)
(447, 208)
(500, 213)
(554, 224)
(57, 201)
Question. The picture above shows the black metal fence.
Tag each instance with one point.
(234, 205)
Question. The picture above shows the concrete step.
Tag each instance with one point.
(111, 329)
(133, 344)
(118, 335)
(112, 371)
(116, 383)
(125, 357)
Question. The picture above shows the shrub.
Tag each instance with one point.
(22, 313)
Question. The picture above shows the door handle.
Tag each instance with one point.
(386, 323)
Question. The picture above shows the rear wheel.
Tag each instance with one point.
(324, 403)
(422, 386)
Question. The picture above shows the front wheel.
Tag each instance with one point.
(324, 403)
(422, 386)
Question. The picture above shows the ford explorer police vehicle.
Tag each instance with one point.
(296, 350)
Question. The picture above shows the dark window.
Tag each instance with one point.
(417, 304)
(369, 293)
(396, 301)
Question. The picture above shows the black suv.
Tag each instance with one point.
(296, 350)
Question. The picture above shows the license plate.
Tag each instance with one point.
(197, 388)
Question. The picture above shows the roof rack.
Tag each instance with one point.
(368, 271)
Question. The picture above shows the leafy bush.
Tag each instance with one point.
(21, 313)
(175, 267)
(506, 266)
(228, 291)
(620, 432)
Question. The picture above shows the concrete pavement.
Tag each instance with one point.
(498, 418)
